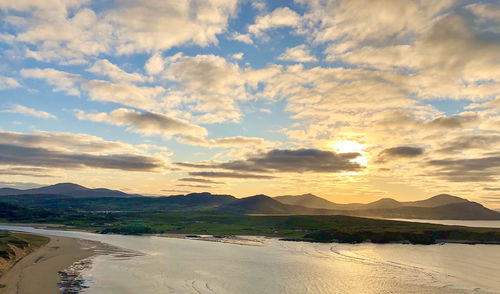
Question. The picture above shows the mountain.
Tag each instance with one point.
(442, 206)
(455, 211)
(262, 204)
(308, 200)
(259, 204)
(312, 201)
(384, 203)
(438, 200)
(68, 189)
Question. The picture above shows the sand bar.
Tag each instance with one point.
(37, 273)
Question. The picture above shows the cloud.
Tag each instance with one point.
(290, 161)
(105, 68)
(148, 123)
(491, 189)
(454, 121)
(208, 85)
(24, 171)
(155, 64)
(29, 111)
(7, 83)
(194, 186)
(70, 31)
(237, 56)
(198, 180)
(123, 93)
(399, 152)
(229, 175)
(238, 141)
(28, 156)
(62, 81)
(467, 142)
(482, 169)
(280, 17)
(244, 38)
(298, 54)
(67, 142)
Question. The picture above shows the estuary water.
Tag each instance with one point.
(170, 265)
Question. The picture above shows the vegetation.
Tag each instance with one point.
(21, 241)
(204, 213)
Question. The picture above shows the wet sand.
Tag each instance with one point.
(37, 273)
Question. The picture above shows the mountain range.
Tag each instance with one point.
(76, 197)
(67, 189)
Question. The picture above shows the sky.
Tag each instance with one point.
(351, 100)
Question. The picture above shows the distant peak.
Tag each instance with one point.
(443, 196)
(385, 200)
(68, 185)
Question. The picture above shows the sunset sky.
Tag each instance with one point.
(350, 100)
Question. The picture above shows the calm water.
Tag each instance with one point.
(467, 223)
(191, 266)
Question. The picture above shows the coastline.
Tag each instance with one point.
(39, 271)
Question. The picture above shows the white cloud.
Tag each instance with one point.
(7, 83)
(105, 68)
(237, 56)
(298, 54)
(62, 81)
(155, 64)
(148, 98)
(244, 38)
(209, 85)
(29, 111)
(238, 141)
(69, 31)
(280, 17)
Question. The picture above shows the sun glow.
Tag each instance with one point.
(352, 146)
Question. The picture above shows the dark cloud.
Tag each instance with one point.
(197, 180)
(27, 156)
(175, 191)
(468, 170)
(491, 189)
(194, 186)
(19, 185)
(454, 121)
(469, 142)
(26, 171)
(398, 152)
(283, 160)
(229, 175)
(68, 141)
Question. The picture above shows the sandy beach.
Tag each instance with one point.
(37, 273)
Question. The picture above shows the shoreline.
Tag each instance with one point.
(245, 240)
(40, 271)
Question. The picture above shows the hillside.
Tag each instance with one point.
(40, 202)
(441, 206)
(14, 246)
(67, 189)
(457, 211)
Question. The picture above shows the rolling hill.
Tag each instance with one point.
(67, 196)
(67, 189)
(442, 206)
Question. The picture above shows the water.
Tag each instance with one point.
(190, 266)
(467, 223)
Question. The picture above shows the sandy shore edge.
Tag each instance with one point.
(37, 273)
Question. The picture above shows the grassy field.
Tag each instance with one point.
(316, 228)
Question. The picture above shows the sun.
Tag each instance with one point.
(351, 146)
